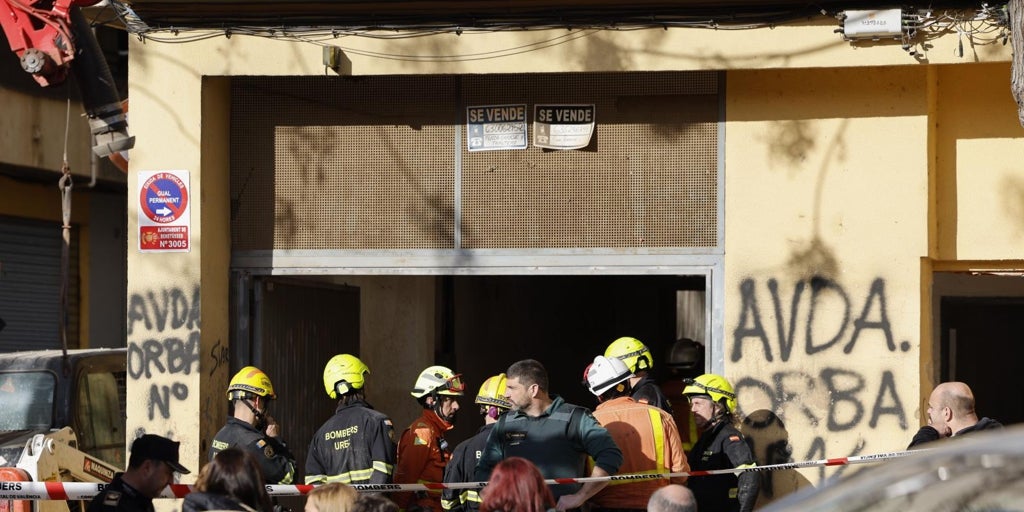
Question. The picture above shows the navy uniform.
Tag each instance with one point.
(647, 391)
(461, 469)
(118, 496)
(723, 447)
(355, 446)
(275, 460)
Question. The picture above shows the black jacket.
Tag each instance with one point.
(649, 392)
(355, 446)
(120, 497)
(723, 447)
(927, 433)
(199, 501)
(274, 458)
(461, 468)
(982, 424)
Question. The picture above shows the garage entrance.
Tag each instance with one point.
(478, 325)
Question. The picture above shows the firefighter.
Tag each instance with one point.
(357, 444)
(646, 435)
(720, 446)
(251, 428)
(638, 359)
(461, 467)
(423, 451)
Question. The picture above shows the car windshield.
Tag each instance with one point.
(26, 400)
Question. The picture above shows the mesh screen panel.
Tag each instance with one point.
(369, 163)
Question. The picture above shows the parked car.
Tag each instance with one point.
(980, 472)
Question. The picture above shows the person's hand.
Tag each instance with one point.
(569, 501)
(273, 429)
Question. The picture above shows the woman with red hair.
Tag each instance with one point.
(516, 485)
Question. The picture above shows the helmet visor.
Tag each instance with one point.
(453, 385)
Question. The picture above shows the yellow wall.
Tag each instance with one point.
(32, 133)
(981, 185)
(826, 222)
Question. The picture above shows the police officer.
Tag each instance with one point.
(493, 404)
(423, 451)
(357, 444)
(720, 446)
(251, 428)
(639, 360)
(151, 468)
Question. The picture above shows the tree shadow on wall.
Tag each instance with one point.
(769, 440)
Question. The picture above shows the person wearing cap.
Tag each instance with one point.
(556, 436)
(423, 451)
(151, 467)
(720, 446)
(357, 444)
(252, 429)
(493, 404)
(646, 435)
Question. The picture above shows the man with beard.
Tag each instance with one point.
(554, 435)
(423, 451)
(720, 446)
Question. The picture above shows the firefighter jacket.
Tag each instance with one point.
(461, 469)
(648, 392)
(422, 455)
(723, 447)
(650, 444)
(355, 446)
(557, 442)
(272, 455)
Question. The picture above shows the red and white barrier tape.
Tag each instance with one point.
(82, 491)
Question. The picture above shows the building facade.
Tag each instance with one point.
(837, 222)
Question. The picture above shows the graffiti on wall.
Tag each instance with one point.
(163, 345)
(801, 340)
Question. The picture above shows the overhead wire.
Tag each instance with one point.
(985, 25)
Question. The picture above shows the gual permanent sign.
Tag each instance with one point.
(496, 127)
(164, 212)
(563, 126)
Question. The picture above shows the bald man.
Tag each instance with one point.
(672, 498)
(951, 413)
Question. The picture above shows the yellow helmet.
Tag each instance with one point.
(714, 386)
(438, 380)
(250, 381)
(632, 352)
(343, 374)
(492, 392)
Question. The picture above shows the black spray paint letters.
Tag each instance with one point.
(163, 343)
(167, 309)
(849, 399)
(873, 316)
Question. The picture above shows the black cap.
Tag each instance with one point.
(154, 447)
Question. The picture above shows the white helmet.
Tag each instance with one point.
(605, 373)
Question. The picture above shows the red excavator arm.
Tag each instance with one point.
(52, 37)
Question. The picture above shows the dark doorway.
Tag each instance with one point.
(299, 326)
(983, 345)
